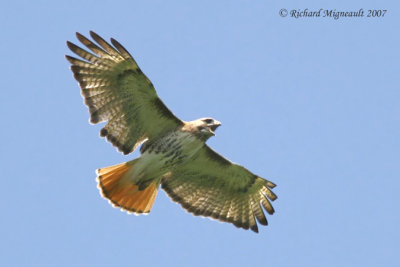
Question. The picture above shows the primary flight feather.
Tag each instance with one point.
(173, 152)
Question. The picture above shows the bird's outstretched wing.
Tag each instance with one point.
(212, 186)
(117, 91)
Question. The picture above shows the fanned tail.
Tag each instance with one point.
(116, 184)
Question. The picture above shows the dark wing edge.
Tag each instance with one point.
(221, 190)
(117, 91)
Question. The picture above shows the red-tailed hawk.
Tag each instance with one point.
(173, 155)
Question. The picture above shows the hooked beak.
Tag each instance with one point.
(215, 125)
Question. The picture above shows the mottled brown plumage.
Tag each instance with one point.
(173, 155)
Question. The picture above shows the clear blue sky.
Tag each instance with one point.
(311, 104)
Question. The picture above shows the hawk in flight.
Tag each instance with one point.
(174, 153)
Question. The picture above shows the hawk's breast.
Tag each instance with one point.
(172, 149)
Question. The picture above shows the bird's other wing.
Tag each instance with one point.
(212, 186)
(117, 91)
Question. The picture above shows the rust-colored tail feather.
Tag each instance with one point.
(119, 189)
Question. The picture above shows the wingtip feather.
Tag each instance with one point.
(271, 184)
(70, 45)
(254, 228)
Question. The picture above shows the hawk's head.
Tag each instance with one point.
(204, 128)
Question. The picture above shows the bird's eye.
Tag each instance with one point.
(208, 121)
